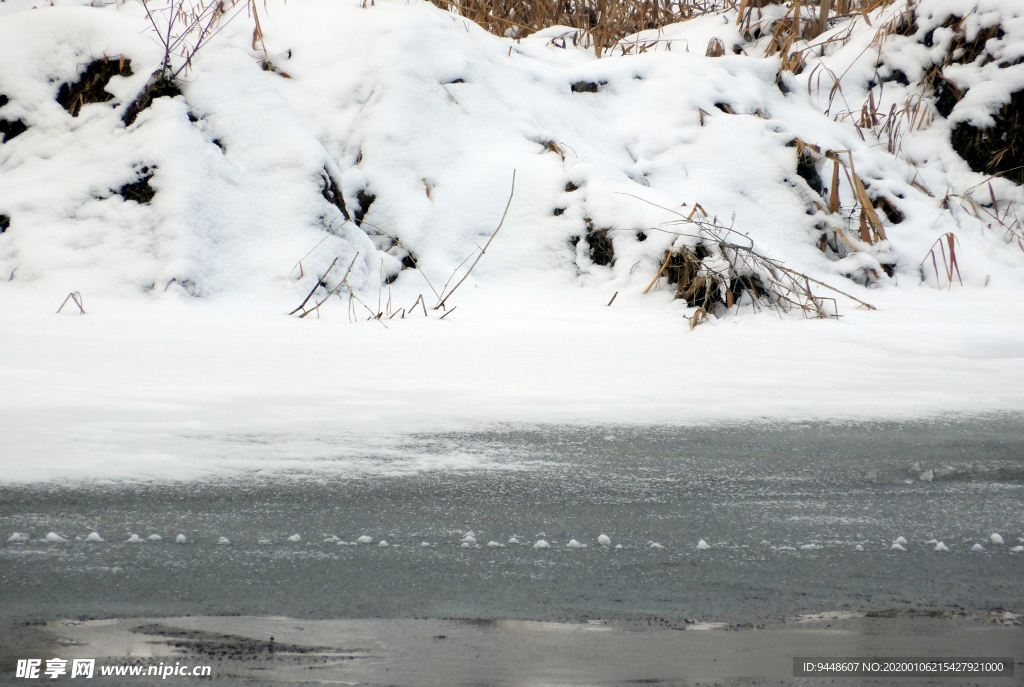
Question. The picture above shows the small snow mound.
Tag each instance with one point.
(541, 544)
(932, 542)
(573, 544)
(263, 542)
(425, 544)
(927, 475)
(656, 546)
(54, 538)
(134, 539)
(180, 539)
(365, 539)
(331, 540)
(469, 539)
(495, 545)
(94, 537)
(17, 538)
(896, 546)
(900, 540)
(604, 540)
(858, 547)
(809, 547)
(703, 545)
(1017, 549)
(618, 546)
(223, 541)
(977, 547)
(939, 546)
(995, 538)
(342, 542)
(155, 537)
(514, 540)
(383, 544)
(295, 537)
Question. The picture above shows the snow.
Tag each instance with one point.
(604, 540)
(54, 538)
(185, 346)
(573, 544)
(541, 544)
(18, 538)
(134, 539)
(655, 545)
(703, 545)
(1017, 549)
(939, 546)
(383, 544)
(295, 538)
(94, 537)
(365, 539)
(995, 538)
(977, 547)
(513, 540)
(223, 541)
(897, 547)
(495, 545)
(900, 540)
(181, 539)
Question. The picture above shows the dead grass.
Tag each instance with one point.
(946, 245)
(716, 268)
(598, 24)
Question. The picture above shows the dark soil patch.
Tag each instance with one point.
(140, 191)
(365, 200)
(91, 86)
(557, 211)
(892, 213)
(641, 236)
(221, 645)
(570, 187)
(159, 86)
(4, 100)
(602, 250)
(5, 223)
(807, 168)
(332, 194)
(998, 150)
(11, 128)
(587, 86)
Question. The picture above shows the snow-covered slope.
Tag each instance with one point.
(418, 119)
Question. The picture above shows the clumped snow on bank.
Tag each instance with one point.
(385, 138)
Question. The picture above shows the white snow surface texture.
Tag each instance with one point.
(186, 348)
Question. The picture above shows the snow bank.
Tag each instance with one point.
(417, 118)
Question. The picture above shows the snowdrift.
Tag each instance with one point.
(736, 171)
(386, 137)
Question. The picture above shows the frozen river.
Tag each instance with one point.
(799, 520)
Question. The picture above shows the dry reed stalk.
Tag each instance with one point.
(343, 282)
(719, 273)
(443, 298)
(320, 282)
(949, 264)
(76, 298)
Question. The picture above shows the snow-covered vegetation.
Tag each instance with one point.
(188, 162)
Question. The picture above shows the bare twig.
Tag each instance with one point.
(75, 297)
(483, 250)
